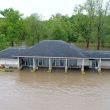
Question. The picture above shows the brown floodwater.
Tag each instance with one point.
(23, 90)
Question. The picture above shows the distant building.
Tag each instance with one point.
(55, 54)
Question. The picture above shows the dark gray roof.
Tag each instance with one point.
(98, 54)
(11, 52)
(53, 48)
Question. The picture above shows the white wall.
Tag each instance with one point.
(10, 62)
(105, 64)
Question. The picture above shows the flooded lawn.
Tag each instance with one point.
(23, 90)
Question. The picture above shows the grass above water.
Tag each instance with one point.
(6, 70)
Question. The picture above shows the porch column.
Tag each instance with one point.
(50, 65)
(82, 67)
(99, 65)
(66, 65)
(34, 66)
(18, 65)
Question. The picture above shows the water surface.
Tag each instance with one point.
(23, 90)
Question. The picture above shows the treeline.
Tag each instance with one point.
(90, 23)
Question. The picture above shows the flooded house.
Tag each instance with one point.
(55, 54)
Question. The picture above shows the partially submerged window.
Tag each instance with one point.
(72, 62)
(62, 63)
(43, 62)
(57, 62)
(40, 62)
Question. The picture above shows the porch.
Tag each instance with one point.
(66, 63)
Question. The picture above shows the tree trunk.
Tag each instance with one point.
(87, 44)
(98, 44)
(102, 41)
(12, 43)
(98, 39)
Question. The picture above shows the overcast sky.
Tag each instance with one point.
(46, 8)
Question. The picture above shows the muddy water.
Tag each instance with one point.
(54, 91)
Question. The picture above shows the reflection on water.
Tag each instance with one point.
(24, 90)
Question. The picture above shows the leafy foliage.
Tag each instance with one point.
(90, 23)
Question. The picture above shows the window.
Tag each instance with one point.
(40, 62)
(29, 61)
(62, 62)
(36, 62)
(53, 62)
(57, 62)
(43, 62)
(72, 63)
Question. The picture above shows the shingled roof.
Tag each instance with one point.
(10, 52)
(98, 54)
(53, 48)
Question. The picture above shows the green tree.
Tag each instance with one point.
(82, 26)
(34, 29)
(60, 27)
(13, 25)
(101, 12)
